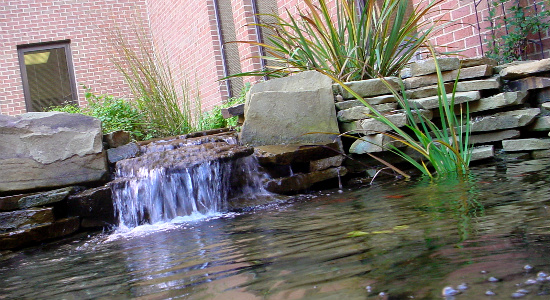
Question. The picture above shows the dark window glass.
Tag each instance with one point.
(47, 75)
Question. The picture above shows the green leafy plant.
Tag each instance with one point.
(214, 118)
(114, 113)
(444, 148)
(510, 31)
(354, 44)
(168, 106)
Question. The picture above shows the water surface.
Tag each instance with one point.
(397, 240)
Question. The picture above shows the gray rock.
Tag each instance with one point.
(526, 144)
(504, 120)
(478, 85)
(529, 83)
(495, 136)
(405, 73)
(117, 138)
(373, 143)
(537, 154)
(41, 199)
(24, 218)
(541, 123)
(233, 111)
(130, 150)
(476, 61)
(465, 73)
(372, 101)
(325, 163)
(37, 234)
(427, 91)
(526, 69)
(44, 150)
(288, 117)
(433, 102)
(369, 87)
(483, 152)
(295, 153)
(372, 126)
(361, 112)
(425, 67)
(498, 101)
(93, 204)
(300, 182)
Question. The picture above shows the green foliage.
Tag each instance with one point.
(168, 106)
(510, 31)
(445, 146)
(214, 118)
(114, 113)
(378, 41)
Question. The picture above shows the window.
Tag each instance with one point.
(47, 73)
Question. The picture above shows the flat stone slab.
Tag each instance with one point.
(425, 67)
(495, 136)
(130, 150)
(541, 123)
(372, 101)
(325, 163)
(45, 198)
(504, 120)
(433, 102)
(483, 152)
(476, 61)
(492, 83)
(295, 153)
(34, 235)
(373, 143)
(526, 144)
(500, 100)
(233, 111)
(373, 126)
(361, 112)
(96, 203)
(117, 138)
(427, 91)
(526, 69)
(368, 88)
(24, 218)
(465, 73)
(300, 182)
(529, 83)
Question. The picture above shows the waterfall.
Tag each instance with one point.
(186, 179)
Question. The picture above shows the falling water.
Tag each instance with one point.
(183, 178)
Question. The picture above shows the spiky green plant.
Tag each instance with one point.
(169, 106)
(444, 148)
(354, 44)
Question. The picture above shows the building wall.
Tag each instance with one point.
(465, 27)
(83, 22)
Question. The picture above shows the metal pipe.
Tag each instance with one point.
(222, 50)
(259, 37)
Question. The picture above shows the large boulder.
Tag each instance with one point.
(49, 149)
(287, 110)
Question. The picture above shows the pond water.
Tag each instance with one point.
(397, 240)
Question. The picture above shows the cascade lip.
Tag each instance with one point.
(183, 157)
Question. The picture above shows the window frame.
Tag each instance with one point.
(23, 49)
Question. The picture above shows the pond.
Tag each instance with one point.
(397, 240)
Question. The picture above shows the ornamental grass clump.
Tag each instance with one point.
(168, 106)
(443, 147)
(355, 43)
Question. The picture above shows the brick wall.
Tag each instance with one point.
(464, 27)
(83, 22)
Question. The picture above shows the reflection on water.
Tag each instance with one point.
(416, 238)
